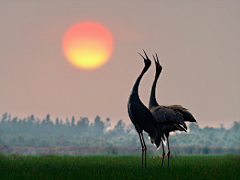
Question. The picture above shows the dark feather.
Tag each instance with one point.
(187, 116)
(170, 127)
(166, 114)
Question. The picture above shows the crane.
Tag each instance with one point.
(169, 118)
(141, 116)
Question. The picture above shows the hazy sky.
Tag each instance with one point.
(198, 44)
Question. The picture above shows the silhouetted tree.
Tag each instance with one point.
(130, 129)
(236, 126)
(119, 128)
(98, 126)
(14, 120)
(48, 120)
(193, 127)
(4, 117)
(222, 127)
(73, 121)
(30, 119)
(57, 122)
(107, 124)
(34, 131)
(9, 118)
(83, 125)
(67, 122)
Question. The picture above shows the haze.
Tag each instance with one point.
(198, 44)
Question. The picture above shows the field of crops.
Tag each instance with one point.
(118, 167)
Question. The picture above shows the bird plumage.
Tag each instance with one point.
(187, 116)
(167, 114)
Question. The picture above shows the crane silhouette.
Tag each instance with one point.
(141, 116)
(169, 118)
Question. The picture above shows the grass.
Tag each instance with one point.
(118, 167)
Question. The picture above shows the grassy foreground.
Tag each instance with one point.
(118, 167)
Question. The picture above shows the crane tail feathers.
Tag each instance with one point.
(188, 116)
(180, 127)
(164, 142)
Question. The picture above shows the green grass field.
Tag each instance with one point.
(118, 167)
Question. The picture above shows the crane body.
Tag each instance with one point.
(141, 117)
(169, 118)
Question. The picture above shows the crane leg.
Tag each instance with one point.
(168, 153)
(142, 148)
(163, 154)
(145, 149)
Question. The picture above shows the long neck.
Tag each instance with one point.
(152, 100)
(136, 85)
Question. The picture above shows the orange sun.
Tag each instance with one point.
(87, 45)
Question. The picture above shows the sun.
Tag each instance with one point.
(87, 45)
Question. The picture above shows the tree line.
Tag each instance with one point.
(35, 126)
(36, 132)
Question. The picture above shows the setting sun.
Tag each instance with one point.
(87, 45)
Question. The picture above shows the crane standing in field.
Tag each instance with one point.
(169, 118)
(141, 117)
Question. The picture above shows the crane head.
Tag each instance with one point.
(147, 61)
(158, 66)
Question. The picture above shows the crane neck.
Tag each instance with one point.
(152, 100)
(136, 85)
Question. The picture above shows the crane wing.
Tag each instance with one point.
(187, 116)
(165, 114)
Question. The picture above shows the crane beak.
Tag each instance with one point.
(145, 54)
(141, 55)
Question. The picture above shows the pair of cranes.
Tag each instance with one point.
(156, 120)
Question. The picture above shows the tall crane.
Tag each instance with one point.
(141, 116)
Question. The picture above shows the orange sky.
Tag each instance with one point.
(197, 44)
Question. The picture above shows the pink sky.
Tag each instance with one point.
(198, 44)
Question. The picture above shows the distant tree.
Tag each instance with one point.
(24, 121)
(4, 117)
(107, 124)
(131, 129)
(67, 122)
(47, 126)
(48, 120)
(73, 121)
(236, 126)
(31, 119)
(83, 123)
(9, 118)
(61, 122)
(222, 127)
(37, 121)
(134, 142)
(14, 120)
(57, 123)
(98, 126)
(193, 127)
(120, 127)
(210, 136)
